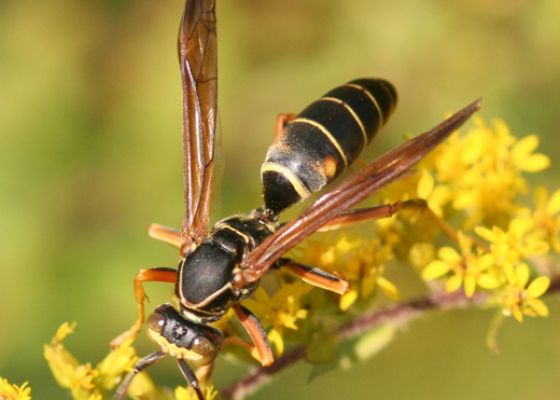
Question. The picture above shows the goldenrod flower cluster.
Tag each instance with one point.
(86, 382)
(469, 222)
(10, 391)
(467, 225)
(499, 235)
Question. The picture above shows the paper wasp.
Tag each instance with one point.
(221, 265)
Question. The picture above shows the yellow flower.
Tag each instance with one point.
(359, 260)
(364, 267)
(436, 197)
(483, 171)
(518, 242)
(68, 372)
(453, 159)
(419, 185)
(468, 269)
(119, 361)
(280, 311)
(9, 391)
(524, 160)
(546, 216)
(328, 252)
(518, 299)
(88, 383)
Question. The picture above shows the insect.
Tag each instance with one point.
(221, 265)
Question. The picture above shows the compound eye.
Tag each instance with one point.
(156, 322)
(204, 348)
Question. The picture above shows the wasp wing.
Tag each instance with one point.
(349, 192)
(198, 61)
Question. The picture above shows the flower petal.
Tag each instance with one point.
(470, 285)
(275, 338)
(453, 283)
(388, 288)
(539, 286)
(525, 146)
(425, 185)
(347, 299)
(534, 163)
(485, 261)
(540, 308)
(536, 247)
(509, 272)
(485, 233)
(488, 281)
(449, 255)
(517, 314)
(553, 205)
(522, 274)
(434, 270)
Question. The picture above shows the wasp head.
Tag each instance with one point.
(184, 339)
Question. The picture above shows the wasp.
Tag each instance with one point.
(221, 265)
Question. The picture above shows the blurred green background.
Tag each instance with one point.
(90, 155)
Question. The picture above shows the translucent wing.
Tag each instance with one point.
(198, 62)
(351, 191)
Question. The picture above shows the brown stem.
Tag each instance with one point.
(396, 314)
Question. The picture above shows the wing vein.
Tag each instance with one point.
(198, 60)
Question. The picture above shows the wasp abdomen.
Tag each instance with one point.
(324, 139)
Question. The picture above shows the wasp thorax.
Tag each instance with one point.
(182, 338)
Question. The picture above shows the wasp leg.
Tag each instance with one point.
(204, 373)
(144, 275)
(165, 234)
(248, 347)
(144, 363)
(237, 341)
(315, 276)
(257, 334)
(281, 121)
(351, 217)
(191, 378)
(385, 211)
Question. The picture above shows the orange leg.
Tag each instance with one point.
(237, 341)
(204, 374)
(165, 234)
(351, 217)
(144, 275)
(316, 277)
(257, 334)
(281, 121)
(385, 211)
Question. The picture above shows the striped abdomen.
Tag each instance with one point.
(324, 139)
